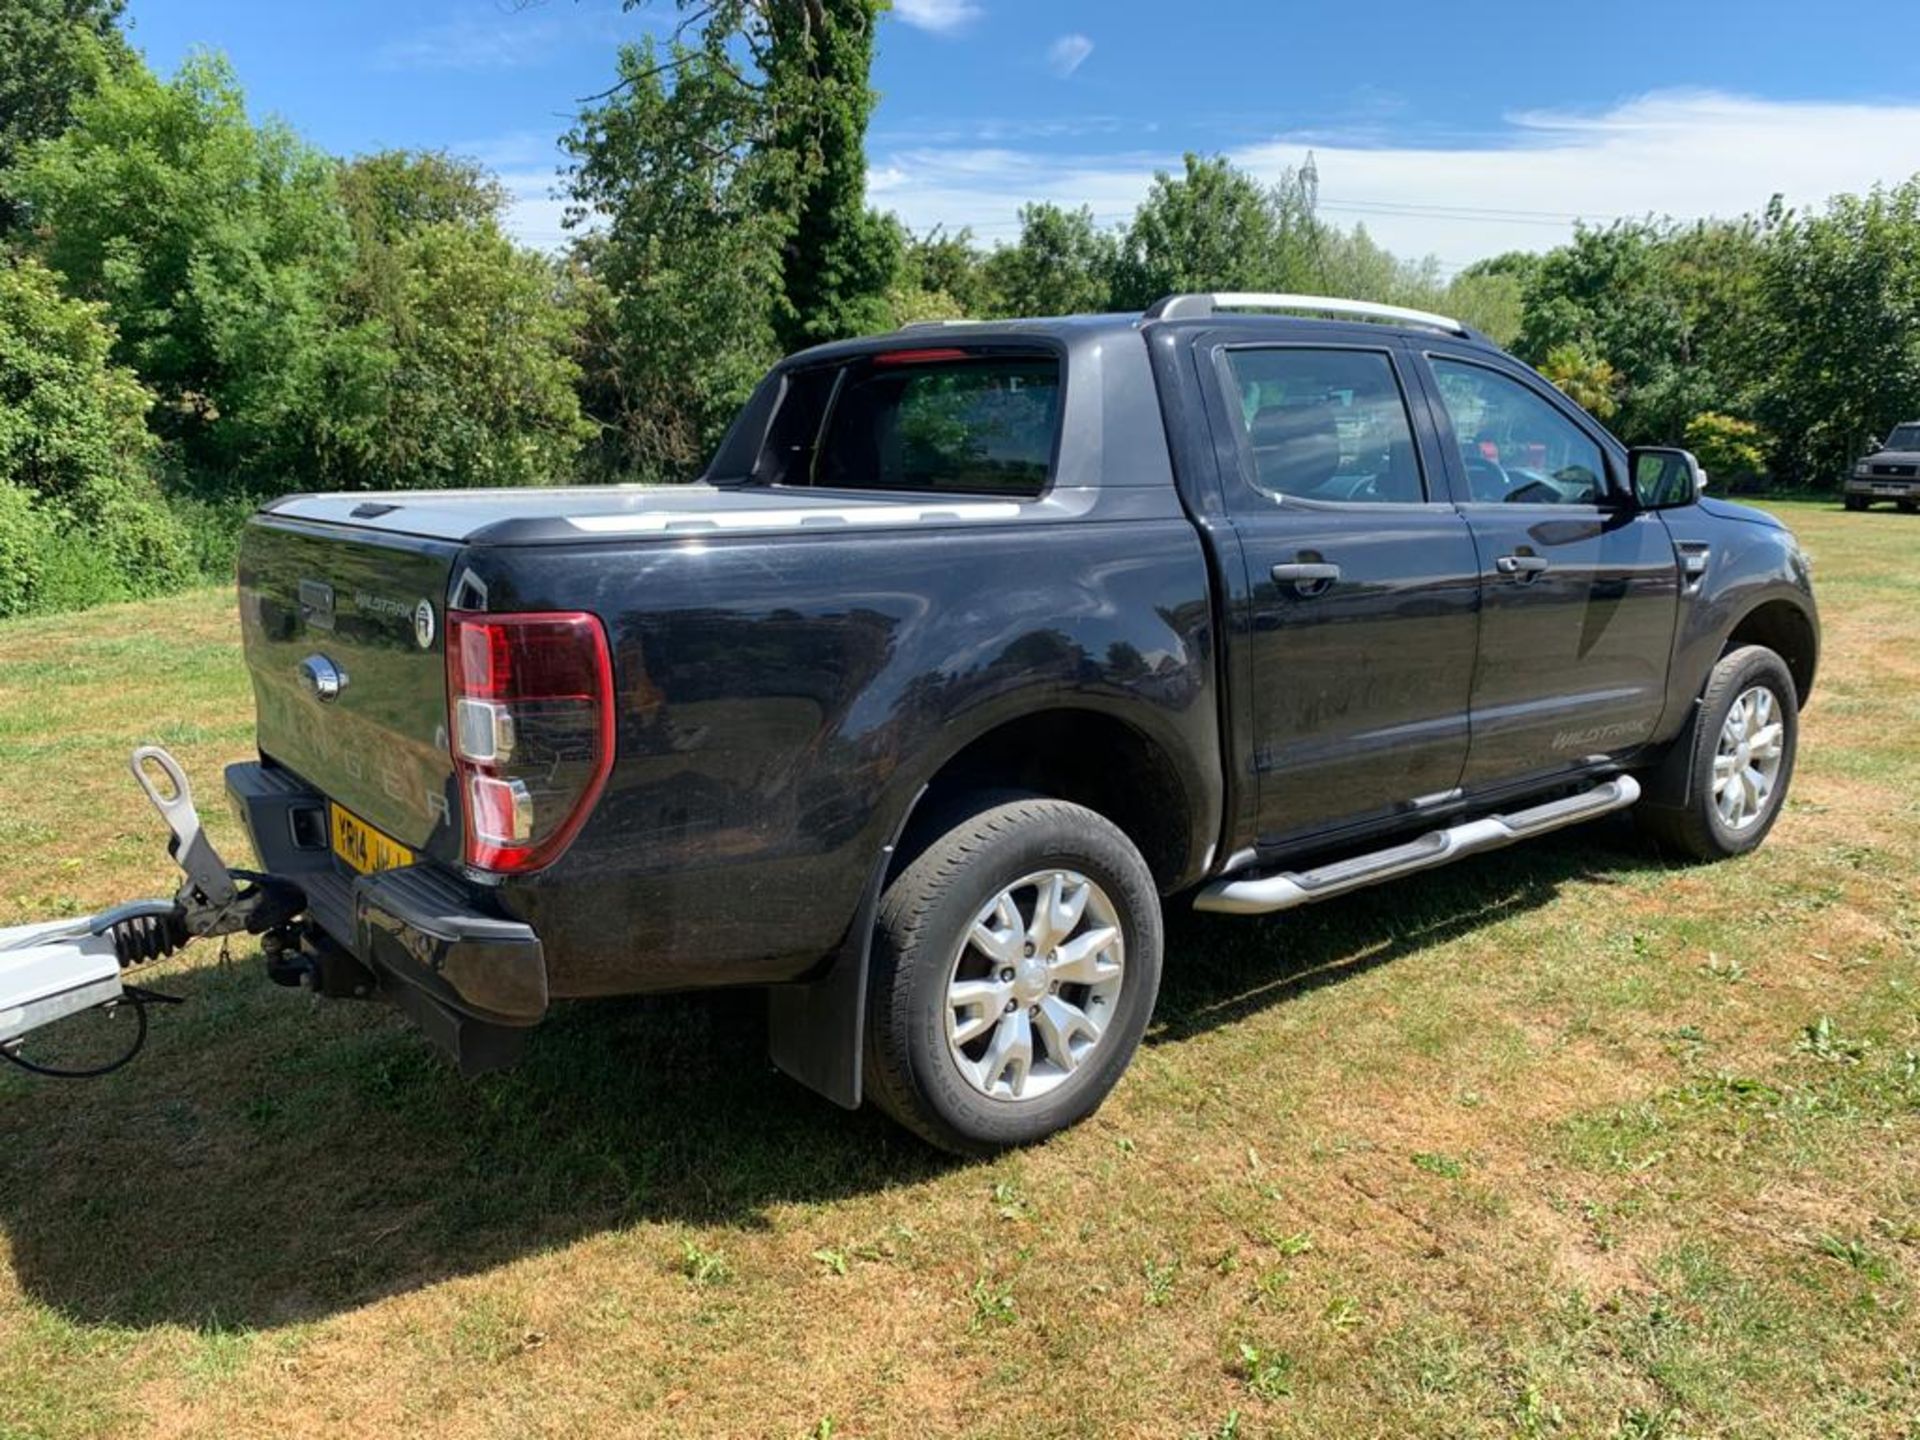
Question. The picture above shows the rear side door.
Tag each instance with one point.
(1357, 625)
(1579, 587)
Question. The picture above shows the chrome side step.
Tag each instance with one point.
(1288, 889)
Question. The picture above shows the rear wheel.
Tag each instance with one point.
(1015, 966)
(1741, 752)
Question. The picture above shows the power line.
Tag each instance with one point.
(1394, 209)
(1477, 217)
(1489, 212)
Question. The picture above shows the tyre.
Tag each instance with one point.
(1856, 502)
(1907, 507)
(1015, 965)
(1741, 747)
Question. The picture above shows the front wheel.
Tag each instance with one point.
(1015, 966)
(1856, 502)
(1742, 746)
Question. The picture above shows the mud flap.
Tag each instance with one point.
(1669, 785)
(817, 1031)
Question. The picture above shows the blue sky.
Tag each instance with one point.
(1454, 128)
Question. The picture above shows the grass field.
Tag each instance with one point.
(1564, 1141)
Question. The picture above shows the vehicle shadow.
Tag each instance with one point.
(273, 1159)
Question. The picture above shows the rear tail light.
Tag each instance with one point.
(531, 711)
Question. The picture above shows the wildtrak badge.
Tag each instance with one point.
(1596, 735)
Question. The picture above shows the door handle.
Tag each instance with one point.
(1305, 573)
(1521, 567)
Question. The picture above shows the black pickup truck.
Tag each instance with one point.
(977, 644)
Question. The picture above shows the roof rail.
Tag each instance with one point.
(1188, 307)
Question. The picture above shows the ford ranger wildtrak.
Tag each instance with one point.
(976, 645)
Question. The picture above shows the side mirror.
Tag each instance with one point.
(1665, 477)
(1873, 444)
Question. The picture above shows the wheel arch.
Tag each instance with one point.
(1106, 761)
(1783, 625)
(1785, 628)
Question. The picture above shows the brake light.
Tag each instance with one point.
(530, 701)
(918, 357)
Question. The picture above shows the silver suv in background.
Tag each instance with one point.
(1890, 472)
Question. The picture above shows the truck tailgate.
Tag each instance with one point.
(324, 606)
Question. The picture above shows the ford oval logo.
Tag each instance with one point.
(323, 679)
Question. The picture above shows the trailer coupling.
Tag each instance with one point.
(58, 968)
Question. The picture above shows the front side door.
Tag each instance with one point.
(1580, 588)
(1361, 586)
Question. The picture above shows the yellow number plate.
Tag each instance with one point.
(363, 847)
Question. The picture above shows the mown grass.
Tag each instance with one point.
(1565, 1141)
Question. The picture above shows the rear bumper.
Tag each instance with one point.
(444, 953)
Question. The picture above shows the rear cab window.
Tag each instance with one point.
(940, 422)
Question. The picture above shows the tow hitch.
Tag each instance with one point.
(58, 968)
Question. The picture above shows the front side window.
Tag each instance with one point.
(1328, 425)
(962, 424)
(1517, 449)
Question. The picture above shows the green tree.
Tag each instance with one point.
(1589, 380)
(1349, 263)
(393, 193)
(725, 175)
(1669, 307)
(1215, 227)
(941, 277)
(1062, 264)
(1726, 447)
(478, 376)
(680, 277)
(52, 54)
(1840, 295)
(218, 249)
(798, 73)
(75, 492)
(840, 258)
(1490, 295)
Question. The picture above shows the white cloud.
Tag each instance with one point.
(998, 130)
(527, 165)
(942, 17)
(1685, 154)
(535, 215)
(1068, 54)
(498, 40)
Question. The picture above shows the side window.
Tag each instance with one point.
(1326, 425)
(952, 424)
(1516, 448)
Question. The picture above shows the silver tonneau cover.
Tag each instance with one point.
(606, 511)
